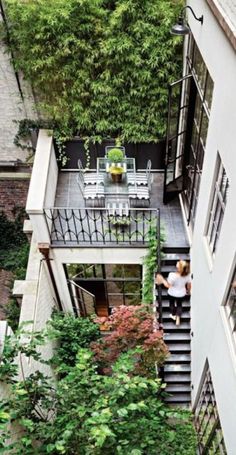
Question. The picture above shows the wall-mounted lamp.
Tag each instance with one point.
(181, 27)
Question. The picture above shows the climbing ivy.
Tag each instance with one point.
(14, 252)
(150, 262)
(99, 68)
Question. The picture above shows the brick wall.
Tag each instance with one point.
(13, 193)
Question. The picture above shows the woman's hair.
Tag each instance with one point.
(183, 268)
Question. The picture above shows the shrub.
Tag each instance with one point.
(72, 334)
(131, 327)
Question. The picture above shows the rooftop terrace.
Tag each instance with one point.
(57, 208)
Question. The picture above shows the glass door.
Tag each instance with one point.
(176, 136)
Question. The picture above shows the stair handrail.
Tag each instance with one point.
(159, 289)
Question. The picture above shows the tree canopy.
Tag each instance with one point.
(99, 68)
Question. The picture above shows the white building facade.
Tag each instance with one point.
(209, 207)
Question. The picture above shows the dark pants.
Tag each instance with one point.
(176, 305)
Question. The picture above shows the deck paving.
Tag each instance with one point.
(69, 195)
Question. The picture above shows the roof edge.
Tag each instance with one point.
(223, 21)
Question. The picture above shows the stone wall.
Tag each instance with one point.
(13, 106)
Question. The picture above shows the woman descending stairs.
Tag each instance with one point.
(177, 369)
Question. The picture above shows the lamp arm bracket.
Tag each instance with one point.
(200, 19)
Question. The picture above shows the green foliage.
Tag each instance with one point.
(22, 342)
(71, 334)
(15, 260)
(11, 233)
(12, 313)
(99, 68)
(115, 155)
(14, 252)
(150, 262)
(90, 414)
(25, 128)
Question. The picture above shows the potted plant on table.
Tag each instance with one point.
(115, 157)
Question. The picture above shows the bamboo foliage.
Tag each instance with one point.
(100, 68)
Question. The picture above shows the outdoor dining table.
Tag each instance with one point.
(116, 194)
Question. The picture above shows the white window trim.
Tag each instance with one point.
(230, 335)
(215, 196)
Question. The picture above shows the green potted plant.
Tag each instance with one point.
(116, 173)
(115, 157)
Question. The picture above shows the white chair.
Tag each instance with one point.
(138, 194)
(90, 178)
(94, 192)
(120, 208)
(141, 178)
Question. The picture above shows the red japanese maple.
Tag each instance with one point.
(131, 327)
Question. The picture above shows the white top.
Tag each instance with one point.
(178, 283)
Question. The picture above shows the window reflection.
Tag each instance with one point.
(199, 68)
(231, 304)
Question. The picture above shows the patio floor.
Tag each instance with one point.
(69, 195)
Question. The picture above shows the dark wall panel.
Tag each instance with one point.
(141, 152)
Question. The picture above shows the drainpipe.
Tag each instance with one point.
(4, 18)
(44, 250)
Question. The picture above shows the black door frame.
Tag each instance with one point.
(176, 185)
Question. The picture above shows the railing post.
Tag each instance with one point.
(159, 299)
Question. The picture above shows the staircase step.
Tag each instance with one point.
(177, 378)
(180, 398)
(177, 368)
(175, 249)
(175, 336)
(165, 302)
(184, 317)
(179, 347)
(173, 327)
(178, 388)
(179, 358)
(166, 314)
(172, 258)
(166, 269)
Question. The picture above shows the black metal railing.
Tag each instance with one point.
(159, 289)
(96, 227)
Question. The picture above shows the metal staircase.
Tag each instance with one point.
(177, 369)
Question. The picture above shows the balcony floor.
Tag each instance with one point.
(68, 195)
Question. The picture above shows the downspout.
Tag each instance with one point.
(3, 14)
(44, 250)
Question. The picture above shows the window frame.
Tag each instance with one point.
(206, 411)
(231, 322)
(217, 207)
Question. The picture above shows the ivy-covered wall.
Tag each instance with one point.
(100, 67)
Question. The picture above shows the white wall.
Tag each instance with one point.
(38, 300)
(43, 185)
(211, 278)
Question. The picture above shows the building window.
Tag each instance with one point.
(200, 94)
(218, 204)
(111, 284)
(207, 422)
(230, 305)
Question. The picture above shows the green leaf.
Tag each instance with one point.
(122, 412)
